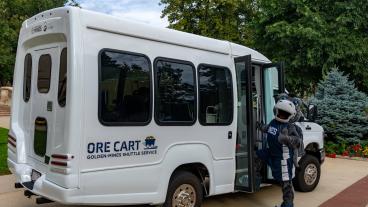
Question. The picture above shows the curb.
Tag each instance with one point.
(352, 158)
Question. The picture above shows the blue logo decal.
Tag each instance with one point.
(149, 143)
(122, 148)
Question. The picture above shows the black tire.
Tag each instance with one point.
(184, 178)
(300, 183)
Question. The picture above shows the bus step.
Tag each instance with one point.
(28, 193)
(18, 185)
(265, 185)
(42, 200)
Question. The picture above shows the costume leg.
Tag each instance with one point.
(287, 194)
(258, 165)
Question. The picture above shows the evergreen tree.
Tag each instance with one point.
(342, 109)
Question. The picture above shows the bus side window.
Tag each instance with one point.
(215, 95)
(124, 88)
(27, 77)
(62, 78)
(175, 95)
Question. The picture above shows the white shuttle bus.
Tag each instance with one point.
(112, 112)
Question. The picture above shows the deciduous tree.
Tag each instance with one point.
(221, 19)
(311, 36)
(13, 13)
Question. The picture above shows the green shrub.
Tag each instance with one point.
(3, 151)
(331, 147)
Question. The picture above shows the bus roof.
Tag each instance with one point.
(107, 23)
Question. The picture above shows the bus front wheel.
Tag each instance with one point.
(307, 176)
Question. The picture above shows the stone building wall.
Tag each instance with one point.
(6, 95)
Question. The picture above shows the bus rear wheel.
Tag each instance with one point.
(184, 191)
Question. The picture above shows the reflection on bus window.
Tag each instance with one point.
(62, 78)
(175, 96)
(44, 73)
(124, 88)
(27, 77)
(215, 95)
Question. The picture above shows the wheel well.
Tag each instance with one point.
(199, 170)
(313, 149)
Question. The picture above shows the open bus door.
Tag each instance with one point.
(273, 84)
(244, 176)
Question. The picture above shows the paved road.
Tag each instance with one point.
(337, 174)
(4, 121)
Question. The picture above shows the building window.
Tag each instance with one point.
(175, 93)
(62, 78)
(215, 95)
(124, 88)
(44, 73)
(27, 77)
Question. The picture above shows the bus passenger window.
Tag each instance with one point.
(124, 88)
(27, 77)
(215, 95)
(175, 97)
(44, 73)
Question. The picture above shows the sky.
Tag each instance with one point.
(145, 11)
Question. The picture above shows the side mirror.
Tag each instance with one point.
(312, 112)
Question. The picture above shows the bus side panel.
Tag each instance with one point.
(100, 141)
(143, 184)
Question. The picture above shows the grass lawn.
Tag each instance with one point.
(3, 151)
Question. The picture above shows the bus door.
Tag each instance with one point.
(244, 176)
(273, 84)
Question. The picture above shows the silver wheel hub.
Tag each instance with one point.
(184, 196)
(310, 174)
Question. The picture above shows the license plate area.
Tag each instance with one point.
(35, 175)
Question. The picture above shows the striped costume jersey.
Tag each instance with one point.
(278, 156)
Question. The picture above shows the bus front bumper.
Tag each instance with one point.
(323, 155)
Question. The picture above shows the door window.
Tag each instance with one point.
(244, 179)
(272, 87)
(215, 95)
(27, 77)
(62, 78)
(44, 73)
(40, 137)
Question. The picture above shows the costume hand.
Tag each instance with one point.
(259, 125)
(283, 137)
